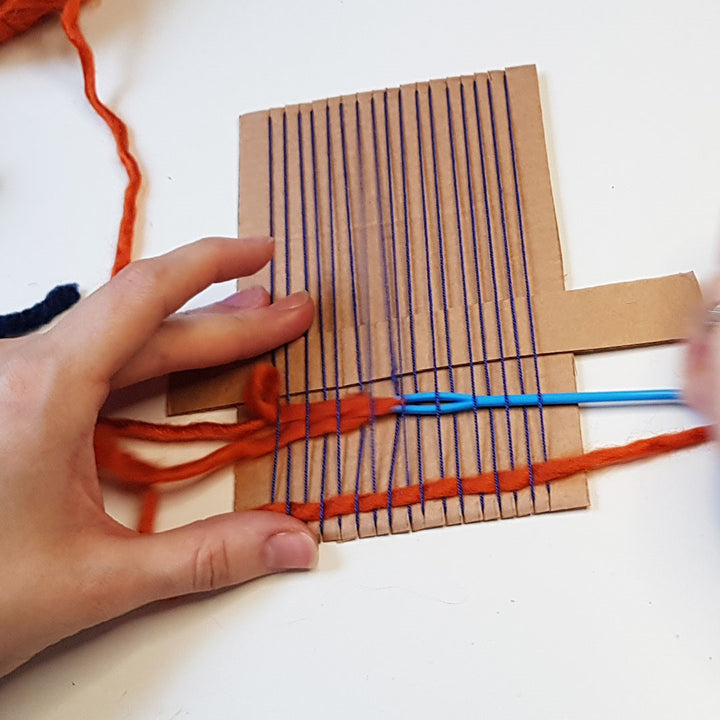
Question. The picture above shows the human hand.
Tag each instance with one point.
(66, 565)
(702, 360)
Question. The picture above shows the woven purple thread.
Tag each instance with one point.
(528, 296)
(408, 278)
(443, 287)
(431, 304)
(400, 426)
(365, 278)
(333, 287)
(306, 285)
(273, 358)
(488, 228)
(511, 292)
(463, 278)
(286, 216)
(321, 313)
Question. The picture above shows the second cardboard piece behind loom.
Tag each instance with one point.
(419, 218)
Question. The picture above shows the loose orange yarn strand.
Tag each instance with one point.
(259, 436)
(17, 16)
(123, 252)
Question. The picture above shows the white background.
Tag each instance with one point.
(609, 612)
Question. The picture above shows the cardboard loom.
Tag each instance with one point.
(421, 219)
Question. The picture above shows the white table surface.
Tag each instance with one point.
(609, 612)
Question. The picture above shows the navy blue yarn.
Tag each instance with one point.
(528, 296)
(366, 271)
(400, 425)
(321, 313)
(443, 286)
(353, 290)
(463, 277)
(333, 288)
(286, 215)
(431, 304)
(488, 223)
(271, 226)
(513, 313)
(411, 311)
(58, 300)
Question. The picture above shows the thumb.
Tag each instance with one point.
(214, 553)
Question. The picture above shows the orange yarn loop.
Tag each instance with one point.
(277, 425)
(17, 16)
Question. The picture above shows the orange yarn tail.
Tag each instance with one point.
(508, 480)
(123, 253)
(274, 427)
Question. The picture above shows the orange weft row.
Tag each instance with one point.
(507, 480)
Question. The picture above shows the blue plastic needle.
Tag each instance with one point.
(429, 403)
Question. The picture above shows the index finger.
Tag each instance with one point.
(106, 329)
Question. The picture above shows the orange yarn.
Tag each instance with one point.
(17, 16)
(275, 425)
(123, 251)
(509, 480)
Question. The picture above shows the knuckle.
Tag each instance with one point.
(211, 566)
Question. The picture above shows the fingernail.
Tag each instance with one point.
(252, 297)
(292, 301)
(259, 240)
(290, 551)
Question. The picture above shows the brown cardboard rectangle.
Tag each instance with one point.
(421, 218)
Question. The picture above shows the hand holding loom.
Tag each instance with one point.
(66, 564)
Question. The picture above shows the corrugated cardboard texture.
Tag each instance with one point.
(422, 221)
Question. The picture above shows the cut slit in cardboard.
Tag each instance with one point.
(421, 220)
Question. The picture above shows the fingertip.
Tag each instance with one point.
(300, 306)
(218, 552)
(290, 550)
